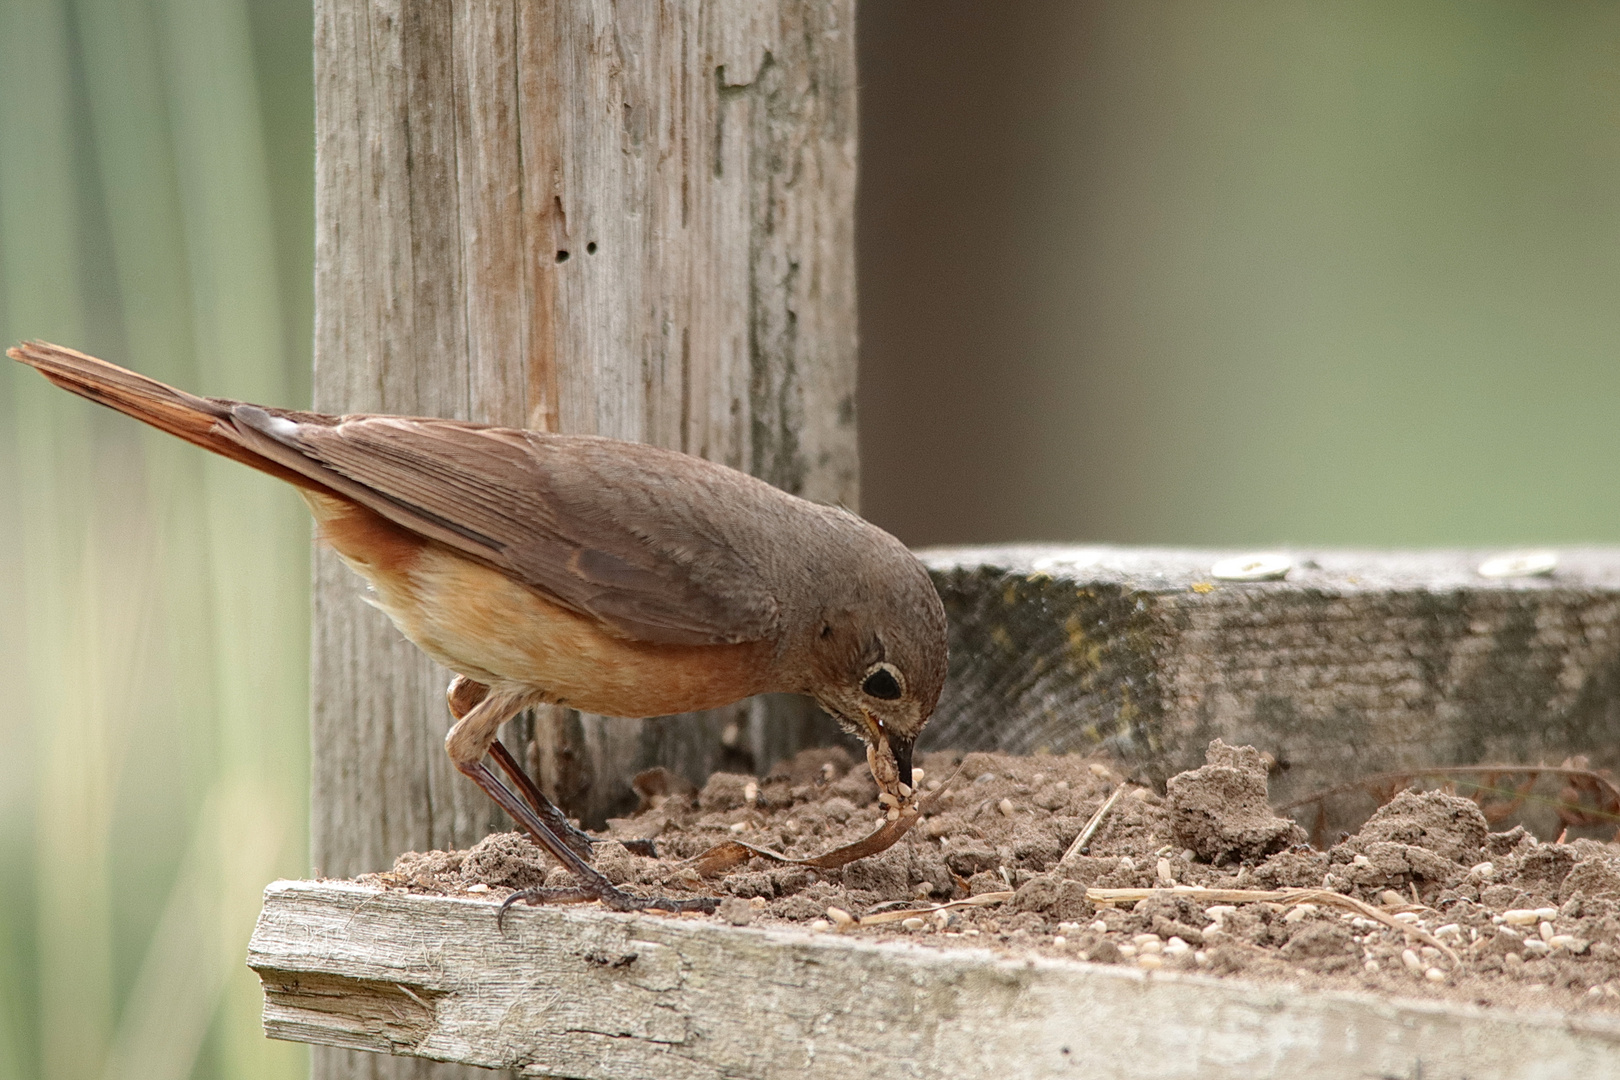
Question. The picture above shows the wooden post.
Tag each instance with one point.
(635, 221)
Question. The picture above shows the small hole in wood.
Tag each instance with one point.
(590, 248)
(562, 256)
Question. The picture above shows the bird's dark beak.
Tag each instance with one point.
(902, 757)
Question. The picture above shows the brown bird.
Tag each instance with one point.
(603, 575)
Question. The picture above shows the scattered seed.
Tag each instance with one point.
(905, 789)
(1068, 927)
(739, 826)
(1176, 947)
(479, 887)
(1482, 870)
(1150, 961)
(1434, 974)
(1100, 771)
(1100, 926)
(1059, 940)
(924, 890)
(1513, 961)
(1537, 946)
(887, 799)
(1371, 964)
(1521, 917)
(828, 771)
(1391, 898)
(1546, 929)
(1299, 913)
(1405, 917)
(1166, 875)
(840, 916)
(917, 775)
(1449, 930)
(1567, 942)
(1127, 950)
(751, 792)
(1410, 959)
(1546, 913)
(1006, 807)
(1361, 860)
(820, 925)
(893, 814)
(1201, 958)
(913, 923)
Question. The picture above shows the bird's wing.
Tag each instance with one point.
(636, 536)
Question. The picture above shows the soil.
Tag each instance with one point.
(1534, 924)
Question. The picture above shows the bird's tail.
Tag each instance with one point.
(203, 421)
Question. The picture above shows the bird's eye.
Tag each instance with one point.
(882, 682)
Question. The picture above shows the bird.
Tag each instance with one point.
(603, 575)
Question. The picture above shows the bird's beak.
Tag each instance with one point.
(902, 757)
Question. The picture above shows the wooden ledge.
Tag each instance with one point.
(580, 992)
(1354, 663)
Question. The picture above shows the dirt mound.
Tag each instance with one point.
(1530, 923)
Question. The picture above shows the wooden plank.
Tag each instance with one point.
(1356, 662)
(588, 993)
(634, 222)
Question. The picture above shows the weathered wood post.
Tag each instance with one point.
(635, 221)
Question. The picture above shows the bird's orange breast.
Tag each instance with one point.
(480, 623)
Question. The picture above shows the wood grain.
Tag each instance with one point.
(587, 993)
(1357, 662)
(630, 220)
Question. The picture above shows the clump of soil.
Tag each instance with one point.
(1531, 923)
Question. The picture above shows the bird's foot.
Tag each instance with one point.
(612, 898)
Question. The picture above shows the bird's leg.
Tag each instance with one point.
(463, 696)
(467, 743)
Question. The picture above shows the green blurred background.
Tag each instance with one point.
(1243, 273)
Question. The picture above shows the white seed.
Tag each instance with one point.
(1391, 898)
(917, 775)
(1594, 991)
(942, 918)
(1100, 771)
(1370, 965)
(827, 771)
(1513, 961)
(1546, 929)
(1361, 860)
(1100, 926)
(1059, 940)
(1298, 913)
(1219, 911)
(1068, 927)
(887, 799)
(1201, 958)
(905, 789)
(1006, 807)
(1564, 941)
(1482, 870)
(479, 887)
(1176, 947)
(1521, 917)
(739, 826)
(1448, 930)
(1546, 913)
(913, 923)
(1410, 959)
(1127, 864)
(1143, 938)
(933, 785)
(1537, 946)
(1434, 974)
(1150, 961)
(1127, 950)
(894, 813)
(751, 792)
(840, 916)
(1429, 953)
(1405, 916)
(819, 925)
(1166, 875)
(924, 890)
